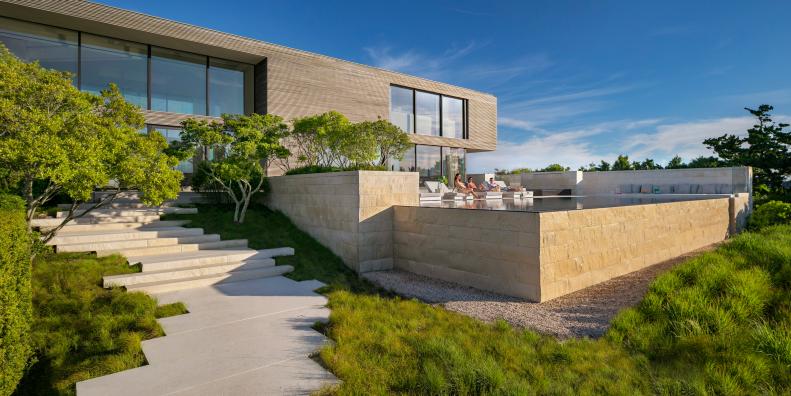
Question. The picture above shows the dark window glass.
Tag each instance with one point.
(105, 60)
(428, 162)
(426, 113)
(453, 162)
(227, 86)
(178, 81)
(53, 48)
(406, 164)
(452, 117)
(402, 110)
(174, 134)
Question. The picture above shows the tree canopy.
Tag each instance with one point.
(244, 146)
(766, 147)
(75, 141)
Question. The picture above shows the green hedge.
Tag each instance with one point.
(769, 214)
(15, 294)
(329, 169)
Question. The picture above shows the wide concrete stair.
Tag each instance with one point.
(171, 256)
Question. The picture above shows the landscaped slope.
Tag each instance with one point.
(719, 323)
(82, 330)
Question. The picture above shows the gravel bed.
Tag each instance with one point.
(584, 313)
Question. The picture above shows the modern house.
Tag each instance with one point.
(174, 71)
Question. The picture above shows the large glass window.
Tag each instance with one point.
(453, 162)
(406, 164)
(452, 117)
(174, 134)
(402, 110)
(52, 47)
(105, 60)
(227, 86)
(428, 162)
(178, 81)
(426, 113)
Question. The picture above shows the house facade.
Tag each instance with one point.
(174, 71)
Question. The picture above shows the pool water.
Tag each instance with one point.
(559, 203)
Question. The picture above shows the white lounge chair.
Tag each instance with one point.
(433, 193)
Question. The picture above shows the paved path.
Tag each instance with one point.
(244, 338)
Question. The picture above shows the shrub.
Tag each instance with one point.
(15, 294)
(770, 213)
(329, 169)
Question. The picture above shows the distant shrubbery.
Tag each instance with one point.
(770, 213)
(15, 294)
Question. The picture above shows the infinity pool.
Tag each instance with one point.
(559, 203)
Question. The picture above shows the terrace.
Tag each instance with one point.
(536, 248)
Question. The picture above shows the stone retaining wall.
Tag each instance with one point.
(349, 212)
(541, 256)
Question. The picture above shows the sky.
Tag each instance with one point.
(576, 81)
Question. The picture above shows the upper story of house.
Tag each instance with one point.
(174, 70)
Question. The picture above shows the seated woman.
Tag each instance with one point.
(471, 184)
(460, 186)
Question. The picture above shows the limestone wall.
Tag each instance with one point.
(711, 180)
(349, 212)
(585, 247)
(490, 250)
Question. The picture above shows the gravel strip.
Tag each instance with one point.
(584, 313)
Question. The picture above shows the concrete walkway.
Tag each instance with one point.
(243, 338)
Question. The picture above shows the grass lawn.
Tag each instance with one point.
(719, 323)
(82, 330)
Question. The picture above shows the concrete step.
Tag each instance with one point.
(175, 248)
(115, 205)
(114, 246)
(53, 221)
(175, 275)
(69, 228)
(120, 212)
(192, 259)
(122, 235)
(208, 280)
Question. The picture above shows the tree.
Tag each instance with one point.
(554, 168)
(622, 163)
(248, 144)
(676, 163)
(648, 164)
(73, 141)
(391, 140)
(765, 148)
(320, 139)
(705, 162)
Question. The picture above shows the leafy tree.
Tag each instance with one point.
(249, 143)
(74, 141)
(392, 142)
(766, 148)
(320, 139)
(554, 168)
(622, 163)
(648, 164)
(705, 162)
(592, 167)
(676, 163)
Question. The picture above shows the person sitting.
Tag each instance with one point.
(471, 184)
(493, 186)
(460, 186)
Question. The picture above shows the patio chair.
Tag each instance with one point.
(433, 193)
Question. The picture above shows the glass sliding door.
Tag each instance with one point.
(453, 162)
(174, 134)
(428, 161)
(227, 90)
(178, 81)
(105, 60)
(52, 47)
(402, 110)
(406, 164)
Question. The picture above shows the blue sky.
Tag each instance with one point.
(576, 81)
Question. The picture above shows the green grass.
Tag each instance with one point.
(719, 323)
(82, 330)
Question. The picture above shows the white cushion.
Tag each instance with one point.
(432, 186)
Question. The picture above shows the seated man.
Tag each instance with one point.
(490, 186)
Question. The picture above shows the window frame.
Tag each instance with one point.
(464, 110)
